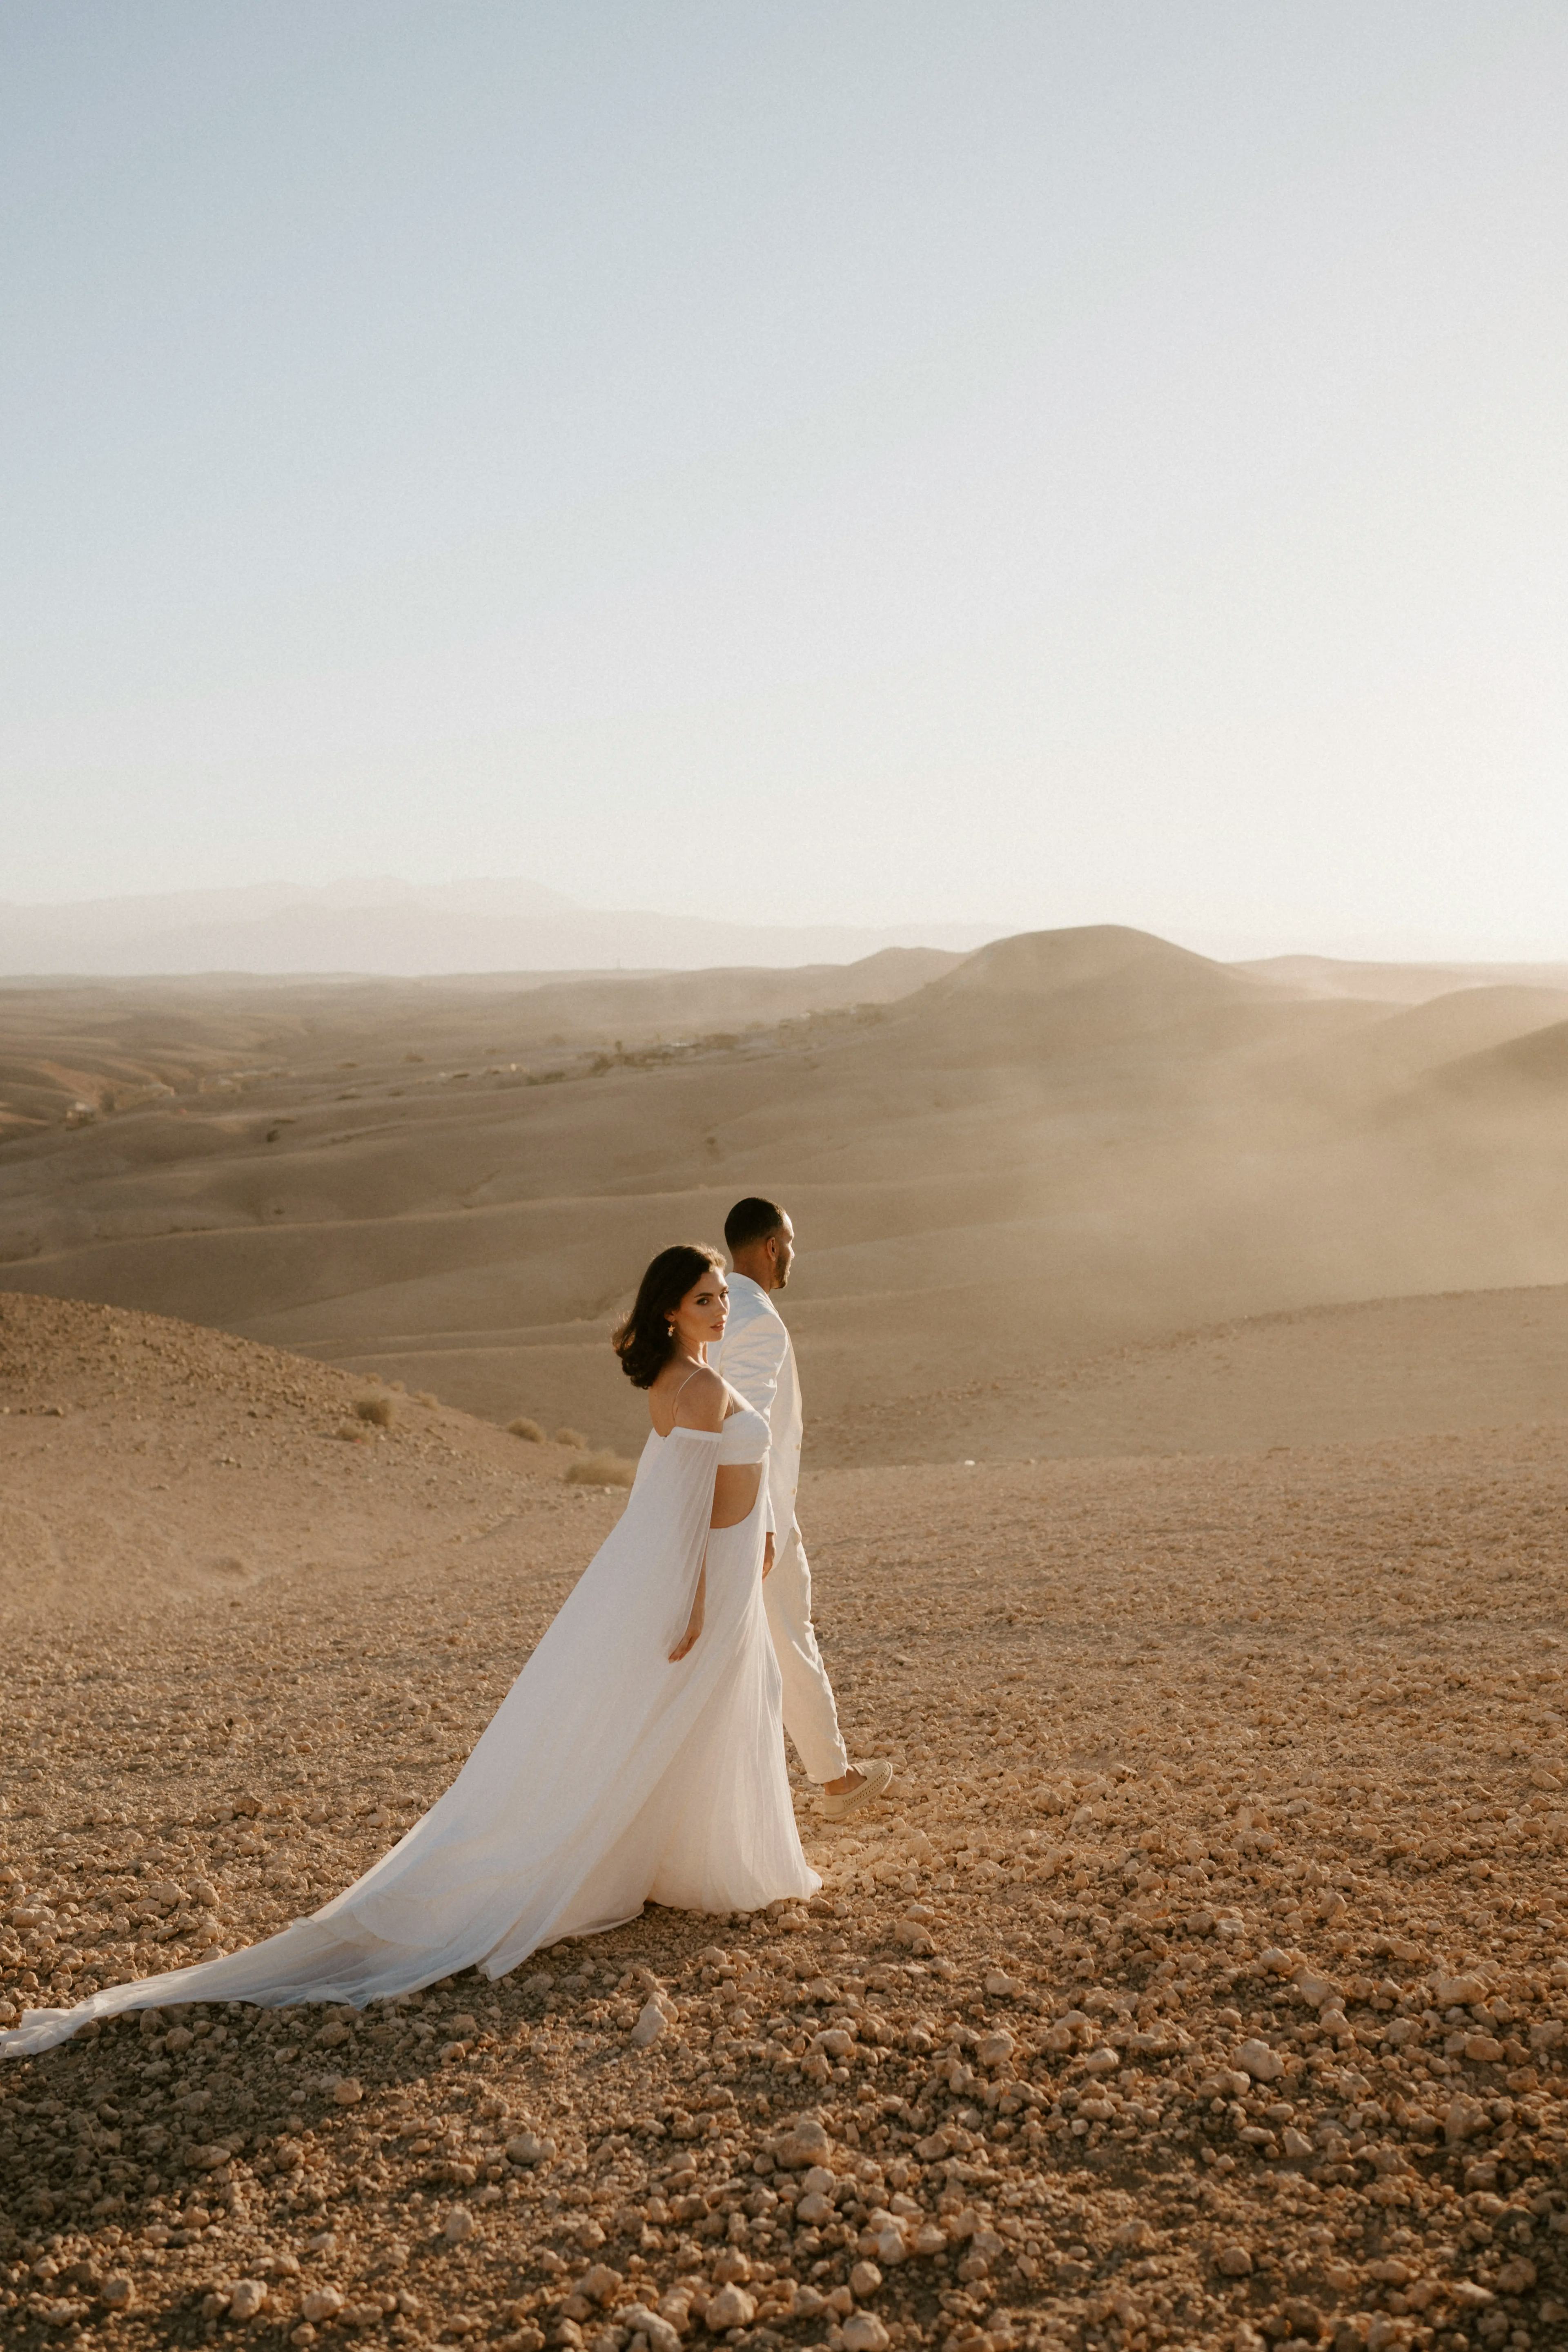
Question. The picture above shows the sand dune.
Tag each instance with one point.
(1065, 1144)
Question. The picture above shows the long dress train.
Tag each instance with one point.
(607, 1778)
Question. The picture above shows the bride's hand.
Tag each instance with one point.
(767, 1554)
(687, 1642)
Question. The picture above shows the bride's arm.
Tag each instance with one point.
(688, 1640)
(701, 1406)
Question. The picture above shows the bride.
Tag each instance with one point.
(638, 1758)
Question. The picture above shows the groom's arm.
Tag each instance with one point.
(752, 1359)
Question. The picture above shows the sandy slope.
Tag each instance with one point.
(1325, 1376)
(1205, 1983)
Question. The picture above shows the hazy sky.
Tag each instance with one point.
(1035, 463)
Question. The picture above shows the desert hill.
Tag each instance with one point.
(1066, 1144)
(72, 1052)
(149, 1463)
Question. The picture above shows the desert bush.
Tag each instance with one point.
(376, 1408)
(525, 1428)
(600, 1470)
(570, 1438)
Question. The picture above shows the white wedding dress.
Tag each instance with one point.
(607, 1778)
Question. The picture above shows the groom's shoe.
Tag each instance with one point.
(875, 1773)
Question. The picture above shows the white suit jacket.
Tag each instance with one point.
(757, 1358)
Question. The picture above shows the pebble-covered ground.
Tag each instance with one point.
(1204, 1982)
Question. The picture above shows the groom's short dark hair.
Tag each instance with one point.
(751, 1221)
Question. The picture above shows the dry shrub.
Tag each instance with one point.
(423, 1396)
(570, 1438)
(376, 1408)
(600, 1470)
(525, 1428)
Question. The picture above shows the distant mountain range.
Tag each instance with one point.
(385, 926)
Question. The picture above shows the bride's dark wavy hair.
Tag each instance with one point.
(643, 1340)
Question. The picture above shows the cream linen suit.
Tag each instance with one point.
(758, 1360)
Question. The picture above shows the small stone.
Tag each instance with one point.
(836, 2043)
(1390, 2271)
(1482, 2049)
(651, 2023)
(1256, 2058)
(1458, 1992)
(864, 2280)
(661, 2336)
(528, 2149)
(347, 2093)
(995, 2048)
(247, 2297)
(1278, 1963)
(806, 2142)
(733, 2268)
(928, 2240)
(1517, 2275)
(601, 2283)
(117, 2290)
(1462, 2118)
(1003, 1986)
(321, 2302)
(459, 2224)
(1233, 2260)
(863, 2332)
(1102, 2061)
(730, 2307)
(890, 2245)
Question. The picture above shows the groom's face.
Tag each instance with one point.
(783, 1254)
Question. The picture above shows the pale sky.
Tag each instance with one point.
(869, 463)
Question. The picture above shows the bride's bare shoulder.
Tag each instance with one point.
(702, 1401)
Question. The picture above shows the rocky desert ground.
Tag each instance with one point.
(1203, 1981)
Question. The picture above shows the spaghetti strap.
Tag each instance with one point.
(675, 1400)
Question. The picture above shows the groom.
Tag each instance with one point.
(755, 1358)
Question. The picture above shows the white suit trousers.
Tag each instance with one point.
(810, 1714)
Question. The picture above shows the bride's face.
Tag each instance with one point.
(702, 1313)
